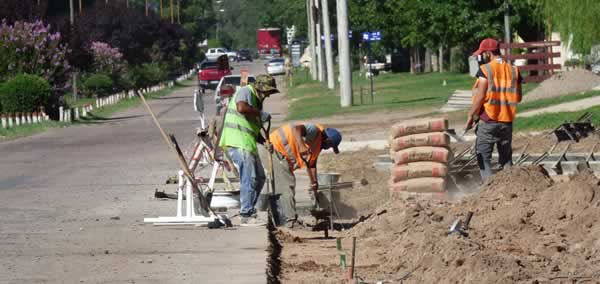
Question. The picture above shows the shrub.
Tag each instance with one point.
(147, 75)
(98, 84)
(30, 48)
(24, 93)
(107, 59)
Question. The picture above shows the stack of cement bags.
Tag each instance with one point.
(420, 150)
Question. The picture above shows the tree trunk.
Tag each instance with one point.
(427, 67)
(441, 58)
(412, 60)
(434, 62)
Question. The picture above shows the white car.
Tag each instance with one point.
(232, 55)
(227, 87)
(275, 66)
(213, 53)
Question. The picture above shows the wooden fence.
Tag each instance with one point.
(539, 52)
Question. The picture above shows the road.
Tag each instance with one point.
(61, 193)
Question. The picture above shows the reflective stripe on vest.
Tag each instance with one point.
(501, 97)
(290, 155)
(238, 131)
(285, 144)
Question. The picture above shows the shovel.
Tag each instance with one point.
(273, 199)
(459, 138)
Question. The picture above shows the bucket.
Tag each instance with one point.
(328, 179)
(223, 199)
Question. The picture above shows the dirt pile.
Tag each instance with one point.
(370, 184)
(525, 228)
(564, 83)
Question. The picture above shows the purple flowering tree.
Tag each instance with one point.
(107, 59)
(29, 47)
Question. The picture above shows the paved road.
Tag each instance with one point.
(59, 190)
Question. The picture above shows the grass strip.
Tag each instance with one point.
(552, 120)
(97, 114)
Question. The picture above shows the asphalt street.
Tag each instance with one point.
(72, 203)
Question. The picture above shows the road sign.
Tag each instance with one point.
(296, 54)
(371, 36)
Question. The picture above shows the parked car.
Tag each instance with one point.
(275, 66)
(231, 54)
(227, 87)
(211, 73)
(244, 55)
(213, 53)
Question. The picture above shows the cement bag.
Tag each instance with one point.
(418, 170)
(418, 154)
(420, 185)
(422, 125)
(423, 139)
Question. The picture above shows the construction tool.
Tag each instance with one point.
(272, 198)
(219, 220)
(452, 133)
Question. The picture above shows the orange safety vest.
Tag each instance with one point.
(284, 143)
(501, 98)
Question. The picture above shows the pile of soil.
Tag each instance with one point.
(525, 228)
(370, 184)
(563, 83)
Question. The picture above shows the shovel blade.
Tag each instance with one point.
(276, 210)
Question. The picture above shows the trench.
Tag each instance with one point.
(274, 255)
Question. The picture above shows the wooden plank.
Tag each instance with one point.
(539, 67)
(536, 79)
(530, 44)
(542, 55)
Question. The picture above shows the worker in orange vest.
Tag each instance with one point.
(498, 91)
(297, 146)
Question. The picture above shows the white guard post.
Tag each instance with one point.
(190, 217)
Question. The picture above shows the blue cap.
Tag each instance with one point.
(334, 138)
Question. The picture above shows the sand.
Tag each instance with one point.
(525, 229)
(564, 83)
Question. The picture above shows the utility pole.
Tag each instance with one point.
(127, 3)
(161, 9)
(172, 12)
(344, 54)
(146, 8)
(72, 21)
(80, 8)
(311, 39)
(507, 25)
(328, 52)
(320, 70)
(179, 11)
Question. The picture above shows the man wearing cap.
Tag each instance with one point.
(297, 146)
(498, 91)
(241, 131)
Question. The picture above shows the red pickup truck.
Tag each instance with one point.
(211, 73)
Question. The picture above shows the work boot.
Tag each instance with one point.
(252, 221)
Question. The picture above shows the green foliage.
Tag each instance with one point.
(24, 93)
(98, 84)
(147, 74)
(573, 62)
(578, 19)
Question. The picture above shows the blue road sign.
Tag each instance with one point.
(371, 36)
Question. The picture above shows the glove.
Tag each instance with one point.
(260, 139)
(314, 201)
(265, 116)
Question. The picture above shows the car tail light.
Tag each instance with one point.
(227, 91)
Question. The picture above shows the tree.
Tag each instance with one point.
(576, 19)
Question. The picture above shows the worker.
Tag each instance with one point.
(297, 146)
(241, 131)
(498, 91)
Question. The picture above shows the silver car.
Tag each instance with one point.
(275, 66)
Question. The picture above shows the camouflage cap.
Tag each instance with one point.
(266, 84)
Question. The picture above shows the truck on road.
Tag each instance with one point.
(211, 72)
(268, 41)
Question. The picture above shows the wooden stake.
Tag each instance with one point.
(80, 8)
(146, 8)
(351, 269)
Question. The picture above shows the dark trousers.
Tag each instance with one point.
(490, 134)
